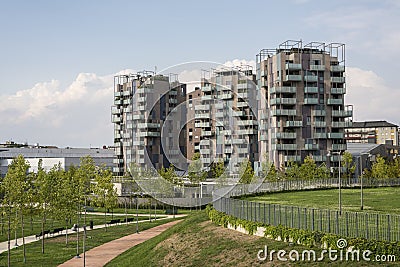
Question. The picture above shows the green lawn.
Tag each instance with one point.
(382, 199)
(198, 242)
(36, 228)
(57, 252)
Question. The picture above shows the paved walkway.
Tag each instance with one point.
(32, 238)
(102, 254)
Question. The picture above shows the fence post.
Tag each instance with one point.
(292, 218)
(388, 227)
(274, 215)
(312, 219)
(337, 222)
(366, 217)
(329, 221)
(356, 224)
(264, 212)
(269, 213)
(347, 223)
(298, 214)
(320, 220)
(377, 226)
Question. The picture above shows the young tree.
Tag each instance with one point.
(195, 172)
(292, 171)
(103, 189)
(246, 172)
(348, 165)
(15, 185)
(170, 175)
(379, 169)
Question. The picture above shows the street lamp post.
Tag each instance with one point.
(340, 181)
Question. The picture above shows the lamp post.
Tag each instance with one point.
(340, 182)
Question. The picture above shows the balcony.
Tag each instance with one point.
(263, 137)
(340, 147)
(311, 90)
(310, 78)
(206, 97)
(338, 91)
(137, 117)
(293, 158)
(284, 101)
(292, 66)
(246, 122)
(206, 133)
(319, 135)
(149, 134)
(243, 95)
(246, 131)
(117, 102)
(242, 104)
(202, 107)
(335, 135)
(118, 161)
(319, 113)
(319, 124)
(295, 78)
(294, 123)
(115, 110)
(341, 124)
(337, 79)
(317, 67)
(219, 114)
(116, 119)
(284, 146)
(206, 88)
(310, 101)
(138, 143)
(284, 135)
(127, 102)
(117, 94)
(173, 101)
(311, 147)
(202, 115)
(228, 150)
(283, 89)
(334, 101)
(319, 158)
(226, 96)
(141, 99)
(242, 85)
(342, 113)
(337, 68)
(202, 124)
(238, 113)
(284, 112)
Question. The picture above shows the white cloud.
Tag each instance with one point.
(371, 97)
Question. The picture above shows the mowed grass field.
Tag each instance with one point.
(381, 200)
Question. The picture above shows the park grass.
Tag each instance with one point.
(381, 200)
(57, 252)
(36, 226)
(198, 242)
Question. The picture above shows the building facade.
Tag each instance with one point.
(193, 133)
(302, 105)
(143, 104)
(373, 132)
(227, 118)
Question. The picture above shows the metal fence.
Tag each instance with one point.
(349, 224)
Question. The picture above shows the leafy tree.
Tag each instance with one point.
(195, 172)
(246, 172)
(105, 194)
(292, 171)
(15, 186)
(379, 169)
(170, 175)
(218, 172)
(348, 165)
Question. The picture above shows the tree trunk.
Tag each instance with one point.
(23, 236)
(105, 217)
(43, 222)
(66, 232)
(9, 237)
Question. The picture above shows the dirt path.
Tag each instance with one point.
(102, 254)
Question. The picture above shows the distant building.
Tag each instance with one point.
(66, 157)
(373, 132)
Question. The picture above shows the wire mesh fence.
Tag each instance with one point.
(377, 226)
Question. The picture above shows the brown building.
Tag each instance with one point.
(192, 133)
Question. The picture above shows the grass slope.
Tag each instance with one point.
(382, 199)
(198, 242)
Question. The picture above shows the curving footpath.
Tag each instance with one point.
(101, 255)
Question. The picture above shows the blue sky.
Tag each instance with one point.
(69, 49)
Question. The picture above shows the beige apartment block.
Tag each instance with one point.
(375, 132)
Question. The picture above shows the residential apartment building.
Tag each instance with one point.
(302, 105)
(373, 132)
(227, 117)
(143, 102)
(193, 133)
